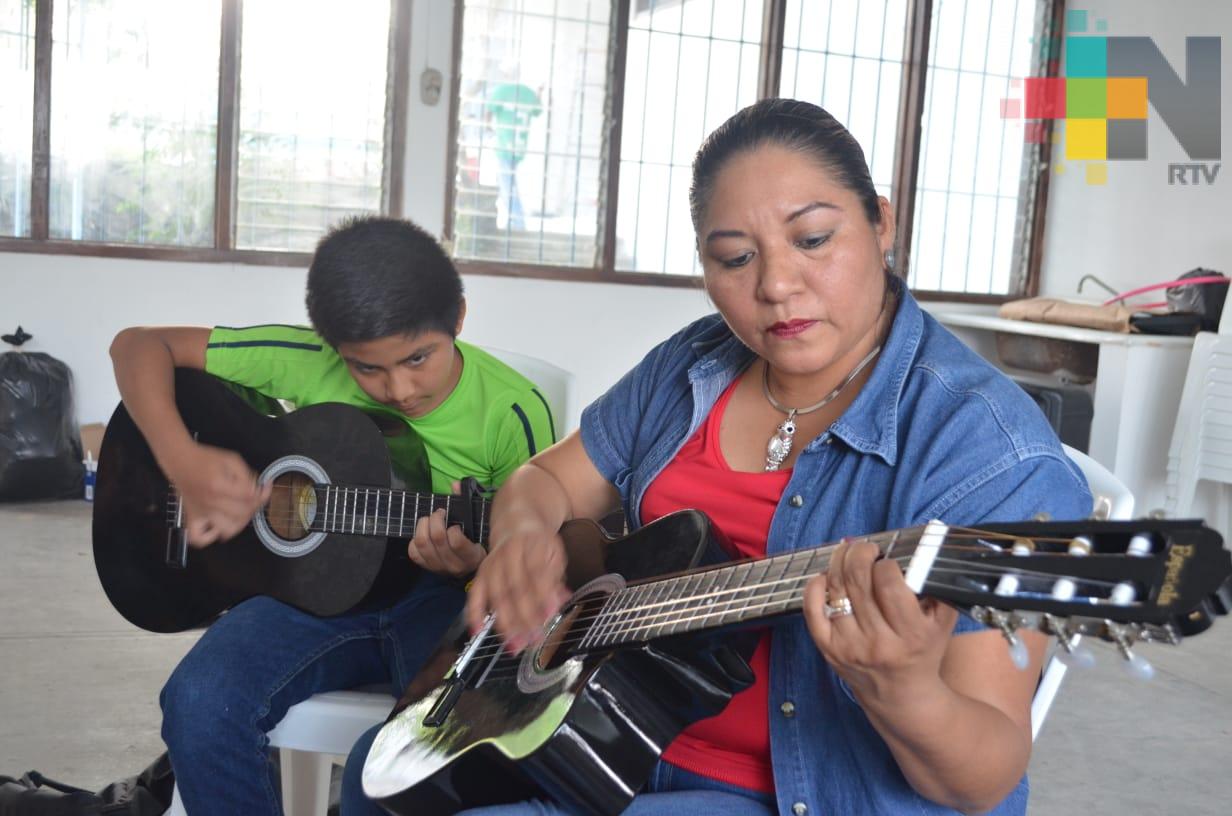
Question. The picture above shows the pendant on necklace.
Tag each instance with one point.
(779, 446)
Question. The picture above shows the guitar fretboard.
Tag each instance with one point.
(714, 598)
(391, 513)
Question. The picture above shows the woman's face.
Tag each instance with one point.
(792, 261)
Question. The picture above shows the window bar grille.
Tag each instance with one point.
(949, 171)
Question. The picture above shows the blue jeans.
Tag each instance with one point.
(670, 791)
(509, 191)
(263, 657)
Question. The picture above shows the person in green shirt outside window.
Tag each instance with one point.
(512, 107)
(386, 306)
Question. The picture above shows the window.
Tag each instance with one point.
(16, 114)
(918, 83)
(312, 120)
(531, 130)
(133, 122)
(973, 188)
(128, 127)
(195, 128)
(690, 65)
(848, 58)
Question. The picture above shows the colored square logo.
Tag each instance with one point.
(1086, 139)
(1127, 97)
(1097, 173)
(1086, 56)
(1127, 139)
(1044, 98)
(1086, 98)
(1076, 20)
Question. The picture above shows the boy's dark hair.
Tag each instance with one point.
(373, 277)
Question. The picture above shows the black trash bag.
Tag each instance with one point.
(40, 447)
(146, 794)
(1205, 300)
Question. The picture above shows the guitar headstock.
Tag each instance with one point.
(1122, 581)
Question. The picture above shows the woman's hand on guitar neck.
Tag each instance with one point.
(220, 492)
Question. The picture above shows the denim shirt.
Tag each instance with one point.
(935, 433)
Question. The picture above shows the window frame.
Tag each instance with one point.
(907, 156)
(226, 155)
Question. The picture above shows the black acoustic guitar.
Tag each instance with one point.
(630, 661)
(331, 537)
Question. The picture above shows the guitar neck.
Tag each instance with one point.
(718, 597)
(393, 513)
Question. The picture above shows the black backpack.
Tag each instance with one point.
(146, 794)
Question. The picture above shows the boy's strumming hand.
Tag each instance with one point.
(220, 492)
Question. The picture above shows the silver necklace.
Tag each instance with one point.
(779, 446)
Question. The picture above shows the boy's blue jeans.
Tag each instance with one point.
(263, 657)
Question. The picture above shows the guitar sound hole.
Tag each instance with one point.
(569, 629)
(292, 506)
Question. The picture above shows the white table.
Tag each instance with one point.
(1136, 392)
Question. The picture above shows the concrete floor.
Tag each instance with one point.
(79, 692)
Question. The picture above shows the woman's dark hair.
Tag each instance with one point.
(791, 124)
(374, 277)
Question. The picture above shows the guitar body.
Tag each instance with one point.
(325, 574)
(582, 716)
(592, 731)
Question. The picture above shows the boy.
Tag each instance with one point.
(386, 307)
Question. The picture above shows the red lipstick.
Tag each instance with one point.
(790, 328)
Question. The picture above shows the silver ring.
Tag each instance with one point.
(838, 608)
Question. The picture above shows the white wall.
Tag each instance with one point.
(1136, 229)
(74, 306)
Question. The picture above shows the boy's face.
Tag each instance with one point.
(411, 374)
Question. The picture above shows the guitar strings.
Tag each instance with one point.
(646, 621)
(504, 662)
(620, 621)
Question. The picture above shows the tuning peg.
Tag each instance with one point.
(1072, 652)
(1137, 665)
(1019, 655)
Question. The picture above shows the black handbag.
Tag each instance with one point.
(146, 794)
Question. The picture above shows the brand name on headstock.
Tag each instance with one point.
(1177, 557)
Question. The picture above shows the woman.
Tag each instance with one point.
(820, 402)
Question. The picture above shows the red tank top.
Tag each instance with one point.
(734, 746)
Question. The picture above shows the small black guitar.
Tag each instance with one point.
(331, 537)
(630, 661)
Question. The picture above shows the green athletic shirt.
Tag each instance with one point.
(493, 421)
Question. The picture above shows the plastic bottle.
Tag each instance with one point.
(91, 466)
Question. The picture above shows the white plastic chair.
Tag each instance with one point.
(1113, 502)
(321, 730)
(1201, 448)
(555, 383)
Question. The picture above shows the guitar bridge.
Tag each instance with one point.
(464, 670)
